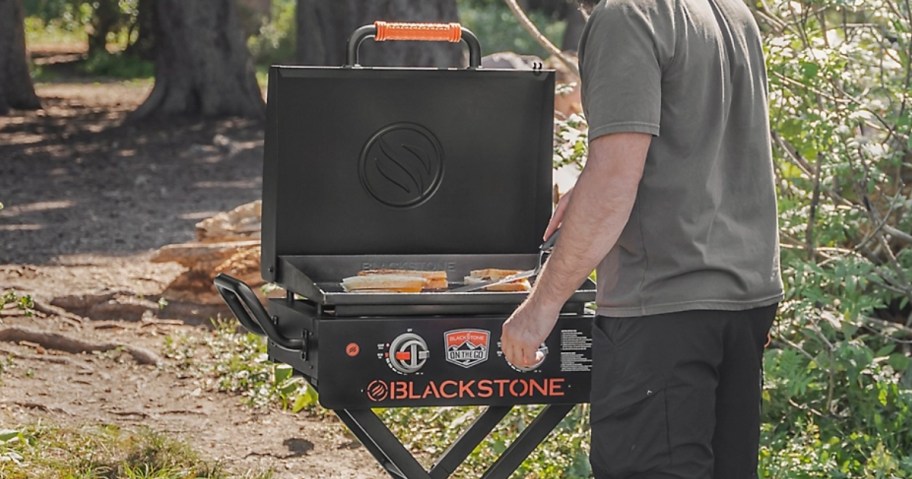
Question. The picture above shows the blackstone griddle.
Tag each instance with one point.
(421, 169)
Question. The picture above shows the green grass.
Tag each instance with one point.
(104, 452)
(37, 32)
(116, 65)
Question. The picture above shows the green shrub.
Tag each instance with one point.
(274, 43)
(838, 397)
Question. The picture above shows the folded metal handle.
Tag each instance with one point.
(250, 312)
(401, 31)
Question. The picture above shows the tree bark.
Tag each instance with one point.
(324, 26)
(202, 66)
(16, 89)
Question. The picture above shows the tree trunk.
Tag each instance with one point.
(144, 45)
(16, 89)
(104, 20)
(323, 27)
(202, 66)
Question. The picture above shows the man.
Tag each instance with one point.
(676, 211)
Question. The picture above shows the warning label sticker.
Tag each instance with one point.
(574, 345)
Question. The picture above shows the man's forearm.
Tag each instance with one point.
(598, 211)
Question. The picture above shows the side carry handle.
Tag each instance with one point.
(425, 32)
(250, 312)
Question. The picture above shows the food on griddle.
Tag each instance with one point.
(435, 279)
(385, 283)
(494, 274)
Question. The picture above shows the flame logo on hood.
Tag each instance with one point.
(402, 165)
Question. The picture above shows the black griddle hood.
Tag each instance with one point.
(405, 162)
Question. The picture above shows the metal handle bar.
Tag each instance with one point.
(409, 29)
(250, 312)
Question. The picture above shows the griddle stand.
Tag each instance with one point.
(373, 433)
(400, 463)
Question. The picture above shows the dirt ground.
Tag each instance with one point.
(87, 198)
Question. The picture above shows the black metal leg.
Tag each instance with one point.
(382, 444)
(527, 441)
(400, 463)
(460, 450)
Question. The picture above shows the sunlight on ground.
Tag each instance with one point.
(17, 210)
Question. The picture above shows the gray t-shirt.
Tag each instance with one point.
(703, 231)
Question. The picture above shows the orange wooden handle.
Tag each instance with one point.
(427, 32)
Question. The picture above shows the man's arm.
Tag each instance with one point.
(593, 220)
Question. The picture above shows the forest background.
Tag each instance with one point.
(837, 398)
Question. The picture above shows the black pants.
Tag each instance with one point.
(678, 395)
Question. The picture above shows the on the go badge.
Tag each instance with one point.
(467, 347)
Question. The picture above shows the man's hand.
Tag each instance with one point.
(525, 331)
